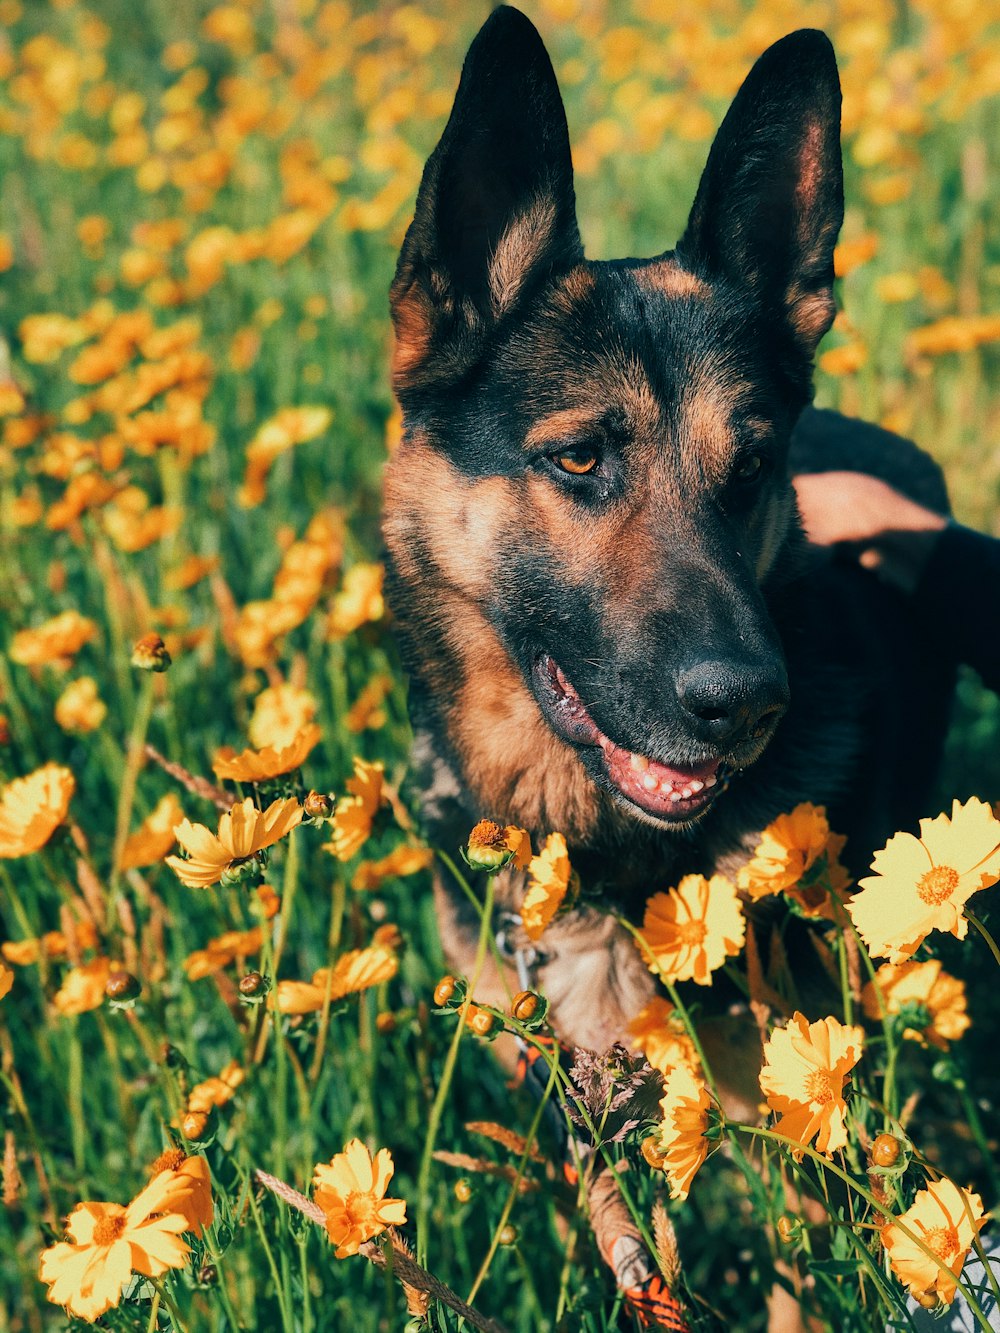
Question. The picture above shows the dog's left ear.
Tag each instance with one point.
(771, 199)
(495, 213)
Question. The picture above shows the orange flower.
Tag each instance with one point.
(922, 884)
(658, 1031)
(359, 600)
(685, 1105)
(351, 1192)
(243, 832)
(691, 930)
(367, 713)
(108, 1243)
(83, 987)
(352, 973)
(798, 855)
(850, 255)
(53, 944)
(492, 846)
(233, 946)
(216, 1091)
(32, 808)
(291, 426)
(280, 714)
(260, 765)
(549, 878)
(80, 708)
(805, 1066)
(352, 820)
(399, 863)
(931, 998)
(155, 835)
(947, 1219)
(57, 641)
(954, 333)
(6, 980)
(189, 1188)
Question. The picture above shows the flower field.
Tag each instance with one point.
(238, 1091)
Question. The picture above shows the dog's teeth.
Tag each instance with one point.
(710, 782)
(675, 796)
(649, 782)
(696, 786)
(639, 762)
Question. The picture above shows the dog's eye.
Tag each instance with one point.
(576, 461)
(749, 469)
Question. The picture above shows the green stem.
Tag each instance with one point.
(126, 793)
(161, 1289)
(990, 941)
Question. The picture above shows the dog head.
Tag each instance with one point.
(594, 455)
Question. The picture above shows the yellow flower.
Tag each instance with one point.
(351, 1192)
(935, 1000)
(659, 1032)
(850, 255)
(399, 863)
(798, 855)
(280, 713)
(53, 944)
(352, 973)
(947, 1220)
(83, 987)
(108, 1243)
(233, 946)
(691, 930)
(32, 808)
(260, 765)
(352, 820)
(291, 426)
(549, 876)
(844, 360)
(216, 1091)
(57, 641)
(922, 884)
(954, 333)
(243, 831)
(684, 1105)
(80, 708)
(189, 1188)
(6, 979)
(492, 845)
(358, 601)
(805, 1066)
(155, 835)
(367, 713)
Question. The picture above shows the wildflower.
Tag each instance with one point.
(352, 822)
(690, 931)
(83, 987)
(80, 708)
(280, 714)
(843, 360)
(659, 1032)
(402, 861)
(190, 571)
(32, 808)
(805, 1067)
(233, 946)
(6, 979)
(355, 971)
(947, 1220)
(850, 255)
(922, 884)
(53, 944)
(359, 600)
(549, 877)
(261, 765)
(954, 333)
(155, 835)
(189, 1189)
(799, 856)
(56, 642)
(367, 713)
(108, 1243)
(215, 1091)
(932, 1000)
(243, 832)
(492, 846)
(612, 1093)
(351, 1192)
(291, 426)
(685, 1106)
(150, 654)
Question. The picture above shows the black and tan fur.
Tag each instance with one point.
(673, 585)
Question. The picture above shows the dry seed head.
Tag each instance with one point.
(481, 1021)
(150, 653)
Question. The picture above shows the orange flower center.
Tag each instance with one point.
(943, 1241)
(691, 932)
(361, 1208)
(108, 1229)
(169, 1160)
(820, 1088)
(937, 885)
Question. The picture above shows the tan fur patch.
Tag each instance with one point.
(412, 321)
(570, 422)
(518, 251)
(773, 519)
(668, 278)
(575, 288)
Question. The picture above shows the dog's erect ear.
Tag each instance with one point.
(495, 211)
(771, 199)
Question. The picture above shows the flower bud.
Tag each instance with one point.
(122, 987)
(652, 1152)
(444, 991)
(388, 936)
(207, 1274)
(150, 653)
(481, 1021)
(253, 985)
(508, 1234)
(885, 1150)
(385, 1023)
(463, 1190)
(193, 1125)
(317, 805)
(788, 1229)
(524, 1006)
(493, 845)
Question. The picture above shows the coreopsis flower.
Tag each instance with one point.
(684, 1107)
(290, 426)
(189, 1187)
(922, 884)
(243, 832)
(690, 931)
(83, 987)
(56, 642)
(280, 713)
(80, 708)
(216, 1091)
(359, 600)
(53, 944)
(108, 1243)
(191, 571)
(261, 765)
(235, 946)
(805, 1067)
(798, 855)
(658, 1031)
(155, 835)
(849, 255)
(32, 808)
(492, 846)
(353, 972)
(947, 1219)
(6, 979)
(350, 1190)
(400, 862)
(367, 713)
(549, 878)
(150, 654)
(352, 820)
(933, 1001)
(954, 333)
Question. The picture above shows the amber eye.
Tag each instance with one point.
(749, 468)
(576, 461)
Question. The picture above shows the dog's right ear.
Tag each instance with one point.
(495, 212)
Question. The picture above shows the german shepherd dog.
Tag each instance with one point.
(612, 622)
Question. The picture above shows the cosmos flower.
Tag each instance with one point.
(797, 855)
(359, 600)
(549, 877)
(685, 1106)
(352, 820)
(261, 765)
(80, 708)
(350, 1190)
(82, 988)
(155, 835)
(243, 831)
(280, 714)
(218, 1090)
(55, 642)
(934, 1001)
(400, 862)
(32, 808)
(805, 1067)
(189, 1188)
(355, 971)
(233, 946)
(690, 931)
(947, 1220)
(658, 1031)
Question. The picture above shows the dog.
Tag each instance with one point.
(611, 620)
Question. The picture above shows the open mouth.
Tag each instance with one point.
(672, 793)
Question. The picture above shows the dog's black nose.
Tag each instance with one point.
(727, 704)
